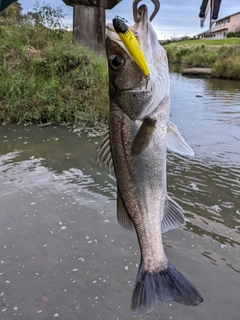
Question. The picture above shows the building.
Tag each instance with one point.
(222, 27)
(206, 34)
(225, 25)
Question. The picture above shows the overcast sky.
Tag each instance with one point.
(173, 20)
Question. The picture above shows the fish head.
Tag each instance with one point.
(138, 96)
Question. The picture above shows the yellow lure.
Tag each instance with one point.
(132, 45)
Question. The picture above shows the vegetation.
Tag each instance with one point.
(235, 34)
(12, 12)
(45, 78)
(222, 55)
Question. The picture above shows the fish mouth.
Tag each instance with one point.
(142, 87)
(142, 15)
(141, 28)
(145, 94)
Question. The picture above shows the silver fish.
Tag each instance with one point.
(135, 148)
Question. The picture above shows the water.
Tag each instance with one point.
(63, 254)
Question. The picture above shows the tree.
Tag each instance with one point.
(13, 11)
(5, 3)
(45, 15)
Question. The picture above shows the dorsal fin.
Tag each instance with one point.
(173, 215)
(104, 156)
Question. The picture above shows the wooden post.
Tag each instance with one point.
(89, 26)
(89, 21)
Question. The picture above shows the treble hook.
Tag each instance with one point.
(135, 10)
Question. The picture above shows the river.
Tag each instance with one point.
(63, 254)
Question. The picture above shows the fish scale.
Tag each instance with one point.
(143, 213)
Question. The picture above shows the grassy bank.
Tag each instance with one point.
(44, 78)
(222, 55)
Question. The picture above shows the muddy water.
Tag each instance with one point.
(63, 254)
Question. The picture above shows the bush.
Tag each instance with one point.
(200, 58)
(47, 79)
(223, 59)
(227, 68)
(235, 34)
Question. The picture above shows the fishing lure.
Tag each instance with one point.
(132, 45)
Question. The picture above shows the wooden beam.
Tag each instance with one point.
(89, 21)
(89, 26)
(107, 4)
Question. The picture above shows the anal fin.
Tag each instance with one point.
(173, 215)
(123, 216)
(104, 155)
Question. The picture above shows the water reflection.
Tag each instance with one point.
(59, 233)
(210, 122)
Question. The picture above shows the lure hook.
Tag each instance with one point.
(135, 9)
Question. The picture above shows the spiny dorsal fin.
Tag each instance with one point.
(173, 215)
(143, 137)
(104, 155)
(175, 141)
(123, 216)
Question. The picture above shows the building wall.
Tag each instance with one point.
(224, 26)
(234, 22)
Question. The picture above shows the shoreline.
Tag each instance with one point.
(203, 72)
(213, 58)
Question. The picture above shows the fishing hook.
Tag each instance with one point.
(135, 9)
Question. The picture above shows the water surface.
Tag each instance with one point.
(63, 254)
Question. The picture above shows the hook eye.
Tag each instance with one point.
(135, 9)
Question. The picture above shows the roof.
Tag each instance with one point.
(209, 32)
(230, 15)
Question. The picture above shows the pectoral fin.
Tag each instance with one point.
(143, 136)
(173, 215)
(175, 141)
(104, 155)
(123, 216)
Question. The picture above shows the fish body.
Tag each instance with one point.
(139, 134)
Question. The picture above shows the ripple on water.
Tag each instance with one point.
(59, 234)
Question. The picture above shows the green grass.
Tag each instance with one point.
(222, 55)
(205, 42)
(45, 78)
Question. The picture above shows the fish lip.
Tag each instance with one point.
(142, 13)
(138, 89)
(141, 87)
(143, 17)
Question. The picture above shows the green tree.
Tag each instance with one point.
(13, 11)
(44, 14)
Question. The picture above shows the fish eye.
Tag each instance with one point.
(115, 62)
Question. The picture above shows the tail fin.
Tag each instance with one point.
(167, 285)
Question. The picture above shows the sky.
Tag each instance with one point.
(172, 21)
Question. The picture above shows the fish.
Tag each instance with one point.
(134, 148)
